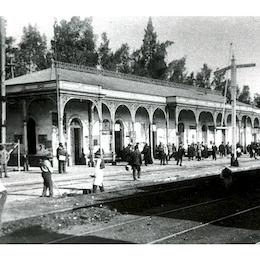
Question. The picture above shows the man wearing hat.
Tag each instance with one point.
(136, 162)
(62, 158)
(47, 171)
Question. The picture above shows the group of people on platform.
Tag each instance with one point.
(134, 157)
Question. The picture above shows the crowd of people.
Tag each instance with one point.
(135, 158)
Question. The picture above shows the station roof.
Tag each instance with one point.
(115, 81)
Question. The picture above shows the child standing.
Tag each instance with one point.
(99, 174)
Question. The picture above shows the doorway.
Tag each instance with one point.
(76, 142)
(31, 136)
(119, 131)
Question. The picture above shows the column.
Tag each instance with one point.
(25, 140)
(90, 118)
(176, 128)
(2, 77)
(133, 139)
(100, 135)
(113, 142)
(100, 127)
(239, 131)
(197, 131)
(245, 125)
(151, 139)
(167, 125)
(60, 125)
(214, 136)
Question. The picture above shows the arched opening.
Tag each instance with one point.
(119, 138)
(204, 134)
(31, 136)
(181, 132)
(76, 142)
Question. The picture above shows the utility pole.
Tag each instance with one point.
(60, 117)
(233, 67)
(3, 89)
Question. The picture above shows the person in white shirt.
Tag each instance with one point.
(99, 174)
(3, 196)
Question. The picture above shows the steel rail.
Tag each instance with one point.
(203, 225)
(137, 219)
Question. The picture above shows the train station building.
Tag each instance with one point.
(87, 109)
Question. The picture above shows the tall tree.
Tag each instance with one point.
(105, 54)
(176, 71)
(189, 80)
(203, 77)
(257, 100)
(157, 67)
(149, 61)
(11, 57)
(76, 42)
(122, 59)
(219, 82)
(32, 51)
(149, 45)
(244, 96)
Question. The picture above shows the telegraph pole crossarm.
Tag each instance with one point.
(233, 68)
(222, 71)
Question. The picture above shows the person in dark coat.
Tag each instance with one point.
(62, 158)
(206, 151)
(189, 152)
(127, 153)
(214, 151)
(180, 154)
(173, 151)
(136, 162)
(147, 155)
(162, 154)
(221, 150)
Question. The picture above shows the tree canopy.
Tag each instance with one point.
(75, 42)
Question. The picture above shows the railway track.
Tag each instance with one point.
(177, 225)
(189, 211)
(161, 215)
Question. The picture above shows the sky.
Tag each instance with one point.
(202, 31)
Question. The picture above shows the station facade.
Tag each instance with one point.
(87, 109)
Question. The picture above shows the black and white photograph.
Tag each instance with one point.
(130, 123)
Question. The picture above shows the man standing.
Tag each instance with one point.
(221, 150)
(62, 158)
(4, 157)
(3, 196)
(180, 154)
(47, 170)
(136, 162)
(214, 151)
(147, 154)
